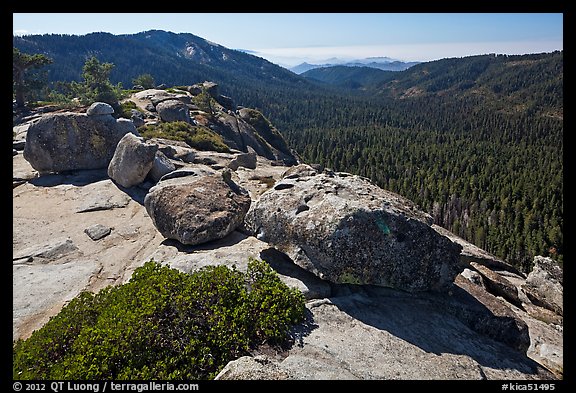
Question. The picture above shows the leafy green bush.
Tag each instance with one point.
(198, 137)
(162, 324)
(125, 109)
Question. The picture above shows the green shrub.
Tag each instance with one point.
(162, 324)
(198, 137)
(126, 108)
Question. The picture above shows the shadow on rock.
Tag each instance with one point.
(231, 239)
(298, 332)
(436, 323)
(75, 178)
(137, 193)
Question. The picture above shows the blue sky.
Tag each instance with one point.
(290, 38)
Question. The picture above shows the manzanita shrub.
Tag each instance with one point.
(162, 324)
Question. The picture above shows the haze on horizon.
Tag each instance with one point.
(288, 39)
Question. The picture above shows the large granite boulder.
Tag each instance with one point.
(70, 141)
(197, 209)
(543, 285)
(346, 230)
(132, 161)
(173, 110)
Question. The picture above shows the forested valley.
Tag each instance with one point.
(477, 141)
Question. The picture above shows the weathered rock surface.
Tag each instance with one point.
(57, 259)
(346, 230)
(69, 141)
(51, 250)
(250, 368)
(369, 333)
(132, 161)
(198, 211)
(544, 285)
(173, 110)
(102, 195)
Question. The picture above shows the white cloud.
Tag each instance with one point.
(21, 32)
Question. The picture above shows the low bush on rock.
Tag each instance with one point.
(162, 324)
(198, 137)
(126, 108)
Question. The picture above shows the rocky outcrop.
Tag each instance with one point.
(544, 285)
(173, 110)
(346, 230)
(132, 161)
(197, 210)
(70, 141)
(245, 130)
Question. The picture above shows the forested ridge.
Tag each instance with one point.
(475, 141)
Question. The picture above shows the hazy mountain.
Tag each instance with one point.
(382, 63)
(349, 77)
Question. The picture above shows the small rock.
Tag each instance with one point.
(97, 231)
(173, 110)
(99, 108)
(247, 160)
(472, 276)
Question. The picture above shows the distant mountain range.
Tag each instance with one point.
(185, 59)
(381, 63)
(349, 77)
